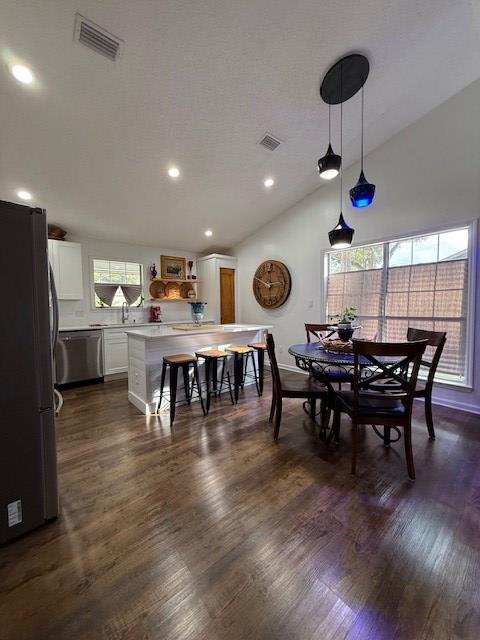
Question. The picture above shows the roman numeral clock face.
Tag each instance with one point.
(271, 284)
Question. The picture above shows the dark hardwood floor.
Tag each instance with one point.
(211, 531)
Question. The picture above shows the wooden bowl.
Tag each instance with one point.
(157, 290)
(55, 232)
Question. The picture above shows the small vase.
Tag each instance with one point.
(345, 331)
(198, 311)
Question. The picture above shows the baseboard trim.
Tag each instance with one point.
(450, 404)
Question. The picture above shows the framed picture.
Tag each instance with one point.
(173, 268)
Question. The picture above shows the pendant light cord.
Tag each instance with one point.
(341, 137)
(361, 138)
(329, 124)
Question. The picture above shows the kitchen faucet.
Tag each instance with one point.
(125, 310)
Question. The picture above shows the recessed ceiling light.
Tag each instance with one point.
(173, 172)
(209, 233)
(24, 195)
(22, 74)
(269, 182)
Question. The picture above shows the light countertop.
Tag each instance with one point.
(127, 325)
(153, 333)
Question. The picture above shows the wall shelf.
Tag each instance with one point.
(172, 290)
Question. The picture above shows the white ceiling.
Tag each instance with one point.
(198, 84)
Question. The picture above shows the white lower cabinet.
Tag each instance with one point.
(115, 351)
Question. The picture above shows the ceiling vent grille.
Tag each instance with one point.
(269, 142)
(94, 37)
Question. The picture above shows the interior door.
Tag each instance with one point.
(227, 295)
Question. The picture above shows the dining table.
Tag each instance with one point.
(331, 367)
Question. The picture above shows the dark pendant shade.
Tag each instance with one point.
(329, 165)
(341, 236)
(362, 193)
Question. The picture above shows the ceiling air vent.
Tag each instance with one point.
(269, 142)
(96, 38)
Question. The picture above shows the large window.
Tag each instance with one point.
(117, 282)
(420, 282)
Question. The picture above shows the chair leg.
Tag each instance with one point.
(208, 364)
(428, 414)
(255, 374)
(261, 365)
(313, 408)
(186, 383)
(196, 377)
(354, 447)
(386, 437)
(407, 436)
(278, 416)
(173, 391)
(162, 385)
(272, 407)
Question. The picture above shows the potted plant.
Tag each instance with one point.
(344, 323)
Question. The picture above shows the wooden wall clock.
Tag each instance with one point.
(271, 284)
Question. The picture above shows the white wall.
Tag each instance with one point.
(80, 312)
(427, 176)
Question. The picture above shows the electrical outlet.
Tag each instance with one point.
(280, 349)
(310, 303)
(14, 510)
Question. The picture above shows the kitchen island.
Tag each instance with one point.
(148, 345)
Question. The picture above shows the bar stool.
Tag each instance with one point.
(260, 348)
(211, 357)
(175, 362)
(240, 366)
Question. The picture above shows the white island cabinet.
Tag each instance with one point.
(146, 348)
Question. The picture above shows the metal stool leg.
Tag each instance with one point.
(173, 391)
(207, 381)
(237, 374)
(230, 387)
(255, 374)
(186, 383)
(162, 384)
(199, 388)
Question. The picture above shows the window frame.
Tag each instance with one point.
(472, 226)
(92, 282)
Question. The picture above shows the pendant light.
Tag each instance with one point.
(341, 236)
(361, 195)
(329, 164)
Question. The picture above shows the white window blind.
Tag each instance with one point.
(419, 282)
(116, 282)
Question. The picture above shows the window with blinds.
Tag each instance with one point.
(419, 282)
(116, 282)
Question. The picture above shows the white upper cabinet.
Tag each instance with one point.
(66, 261)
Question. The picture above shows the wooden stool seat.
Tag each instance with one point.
(242, 348)
(179, 358)
(211, 353)
(259, 346)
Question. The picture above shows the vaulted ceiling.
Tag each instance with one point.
(197, 85)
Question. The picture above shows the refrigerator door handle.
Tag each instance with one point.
(53, 292)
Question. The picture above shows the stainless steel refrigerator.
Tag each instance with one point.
(28, 466)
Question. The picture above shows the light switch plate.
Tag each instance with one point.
(15, 515)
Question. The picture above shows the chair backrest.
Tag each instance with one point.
(398, 361)
(436, 340)
(317, 330)
(277, 384)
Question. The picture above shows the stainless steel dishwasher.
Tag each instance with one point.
(79, 356)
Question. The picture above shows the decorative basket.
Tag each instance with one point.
(337, 346)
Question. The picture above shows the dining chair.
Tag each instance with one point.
(317, 330)
(436, 340)
(368, 407)
(291, 386)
